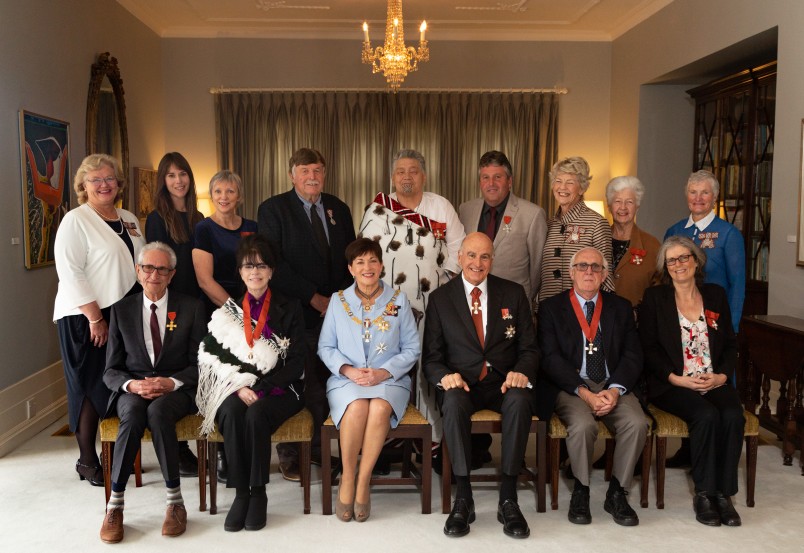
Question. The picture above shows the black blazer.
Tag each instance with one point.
(561, 343)
(301, 270)
(286, 319)
(661, 335)
(126, 355)
(450, 340)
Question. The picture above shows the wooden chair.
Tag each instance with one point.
(186, 430)
(670, 426)
(298, 428)
(486, 421)
(412, 426)
(558, 432)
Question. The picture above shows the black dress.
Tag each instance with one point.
(184, 280)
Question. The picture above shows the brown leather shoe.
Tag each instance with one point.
(112, 527)
(290, 471)
(175, 521)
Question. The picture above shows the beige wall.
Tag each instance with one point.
(192, 67)
(46, 50)
(684, 32)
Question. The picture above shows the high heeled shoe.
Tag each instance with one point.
(362, 511)
(93, 474)
(343, 511)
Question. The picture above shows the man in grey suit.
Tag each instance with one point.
(517, 227)
(152, 370)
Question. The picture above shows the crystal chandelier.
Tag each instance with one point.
(395, 59)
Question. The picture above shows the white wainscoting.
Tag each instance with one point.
(46, 392)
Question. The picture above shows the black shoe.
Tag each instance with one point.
(236, 517)
(514, 524)
(188, 464)
(728, 515)
(705, 509)
(458, 521)
(91, 473)
(382, 467)
(222, 467)
(617, 506)
(257, 511)
(682, 458)
(579, 512)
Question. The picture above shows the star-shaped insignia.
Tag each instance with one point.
(381, 347)
(283, 343)
(509, 332)
(383, 325)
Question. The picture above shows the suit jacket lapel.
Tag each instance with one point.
(670, 329)
(458, 297)
(511, 210)
(607, 324)
(301, 214)
(493, 311)
(575, 335)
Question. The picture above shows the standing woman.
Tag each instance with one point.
(369, 342)
(175, 217)
(250, 379)
(95, 249)
(633, 250)
(216, 241)
(573, 228)
(690, 355)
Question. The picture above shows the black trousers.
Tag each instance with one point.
(316, 375)
(247, 433)
(160, 416)
(457, 407)
(716, 424)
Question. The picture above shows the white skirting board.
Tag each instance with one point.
(30, 405)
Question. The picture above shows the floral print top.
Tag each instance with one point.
(695, 343)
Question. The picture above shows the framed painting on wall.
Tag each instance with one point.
(44, 147)
(145, 183)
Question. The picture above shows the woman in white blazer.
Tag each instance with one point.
(96, 245)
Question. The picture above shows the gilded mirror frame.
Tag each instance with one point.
(106, 66)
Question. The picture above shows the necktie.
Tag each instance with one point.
(156, 337)
(491, 225)
(595, 362)
(318, 233)
(477, 319)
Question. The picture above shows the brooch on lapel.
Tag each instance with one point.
(573, 234)
(707, 239)
(439, 230)
(131, 228)
(506, 314)
(331, 219)
(507, 221)
(383, 325)
(637, 256)
(509, 332)
(171, 326)
(711, 318)
(391, 310)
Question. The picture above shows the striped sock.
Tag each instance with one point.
(116, 501)
(174, 496)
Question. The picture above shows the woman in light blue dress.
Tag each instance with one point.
(369, 342)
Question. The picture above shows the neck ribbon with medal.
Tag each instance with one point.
(589, 330)
(253, 334)
(380, 322)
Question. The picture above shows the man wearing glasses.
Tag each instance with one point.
(591, 363)
(152, 371)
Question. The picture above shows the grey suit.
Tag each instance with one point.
(518, 250)
(127, 359)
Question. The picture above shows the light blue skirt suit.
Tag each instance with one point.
(396, 350)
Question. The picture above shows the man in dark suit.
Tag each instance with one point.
(591, 362)
(309, 230)
(152, 371)
(480, 350)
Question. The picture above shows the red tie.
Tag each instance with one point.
(155, 335)
(491, 226)
(477, 318)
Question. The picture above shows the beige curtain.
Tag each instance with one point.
(359, 132)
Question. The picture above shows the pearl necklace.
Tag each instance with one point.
(108, 219)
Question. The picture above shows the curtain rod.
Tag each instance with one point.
(556, 90)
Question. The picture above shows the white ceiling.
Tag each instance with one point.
(538, 20)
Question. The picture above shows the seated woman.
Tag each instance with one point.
(250, 379)
(369, 342)
(690, 355)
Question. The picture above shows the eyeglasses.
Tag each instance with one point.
(97, 180)
(252, 266)
(670, 261)
(583, 267)
(164, 271)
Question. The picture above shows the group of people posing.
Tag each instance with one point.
(488, 307)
